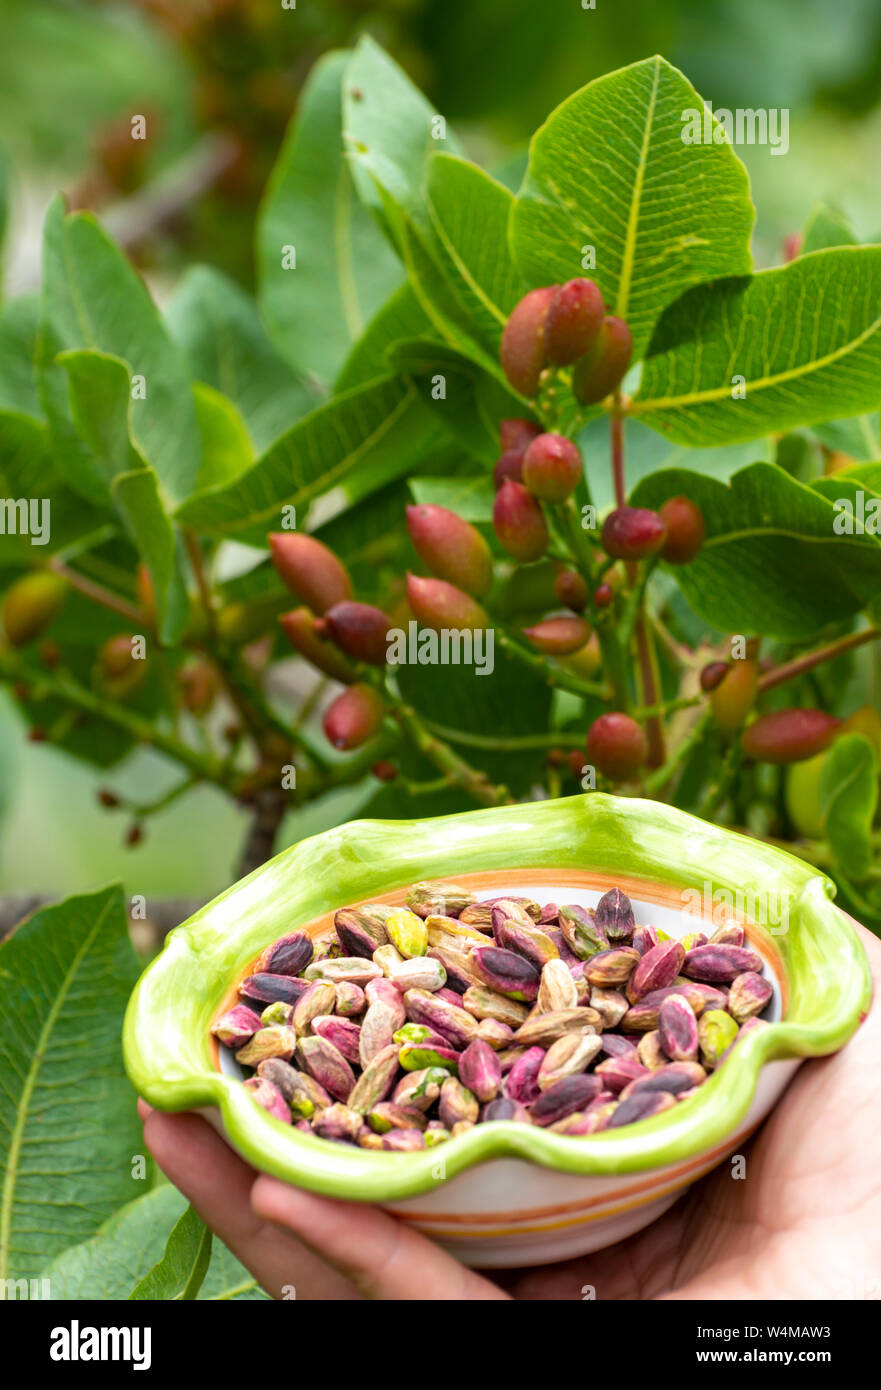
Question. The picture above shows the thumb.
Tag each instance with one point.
(381, 1256)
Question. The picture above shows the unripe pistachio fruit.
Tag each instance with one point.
(519, 523)
(632, 533)
(509, 465)
(437, 605)
(120, 671)
(789, 735)
(517, 433)
(523, 354)
(601, 370)
(713, 675)
(452, 548)
(299, 628)
(552, 467)
(617, 745)
(734, 696)
(686, 530)
(310, 570)
(359, 629)
(353, 717)
(559, 636)
(199, 684)
(603, 595)
(30, 604)
(575, 317)
(571, 590)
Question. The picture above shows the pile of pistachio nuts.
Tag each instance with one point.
(406, 1026)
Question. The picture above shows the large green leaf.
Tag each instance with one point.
(400, 318)
(344, 267)
(92, 298)
(609, 170)
(227, 451)
(771, 562)
(27, 471)
(68, 1124)
(824, 228)
(181, 1271)
(805, 338)
(390, 132)
(361, 438)
(101, 408)
(19, 327)
(848, 800)
(458, 263)
(226, 346)
(109, 1265)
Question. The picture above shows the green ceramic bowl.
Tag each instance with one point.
(503, 1193)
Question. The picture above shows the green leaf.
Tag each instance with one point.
(471, 498)
(771, 562)
(101, 408)
(400, 318)
(226, 346)
(344, 267)
(848, 801)
(68, 1124)
(824, 228)
(136, 496)
(92, 298)
(805, 337)
(609, 170)
(389, 130)
(459, 264)
(127, 1247)
(19, 328)
(860, 436)
(227, 451)
(182, 1269)
(27, 471)
(362, 437)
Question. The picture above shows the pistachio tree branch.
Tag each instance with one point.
(551, 675)
(437, 751)
(514, 743)
(98, 594)
(800, 664)
(659, 778)
(64, 687)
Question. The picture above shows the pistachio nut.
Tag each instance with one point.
(237, 1026)
(480, 1070)
(375, 1081)
(268, 1097)
(407, 932)
(457, 1103)
(569, 1055)
(544, 1029)
(287, 956)
(268, 1042)
(557, 988)
(678, 1029)
(430, 897)
(749, 995)
(614, 916)
(716, 1032)
(386, 1115)
(482, 1002)
(327, 1064)
(421, 972)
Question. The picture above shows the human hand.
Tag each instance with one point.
(804, 1223)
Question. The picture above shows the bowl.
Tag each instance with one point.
(506, 1194)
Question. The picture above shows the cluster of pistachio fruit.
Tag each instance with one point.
(536, 476)
(406, 1026)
